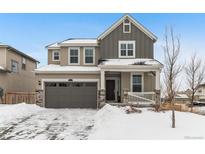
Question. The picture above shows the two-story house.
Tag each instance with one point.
(16, 70)
(82, 72)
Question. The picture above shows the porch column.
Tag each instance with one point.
(157, 89)
(102, 79)
(102, 89)
(157, 80)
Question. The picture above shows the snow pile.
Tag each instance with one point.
(10, 112)
(112, 123)
(139, 61)
(106, 120)
(58, 68)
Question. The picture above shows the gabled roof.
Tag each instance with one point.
(132, 20)
(18, 52)
(53, 45)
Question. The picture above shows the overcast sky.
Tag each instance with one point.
(30, 33)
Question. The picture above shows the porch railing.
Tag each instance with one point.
(142, 97)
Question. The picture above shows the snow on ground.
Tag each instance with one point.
(200, 109)
(112, 123)
(25, 121)
(10, 112)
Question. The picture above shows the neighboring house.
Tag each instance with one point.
(200, 94)
(83, 72)
(182, 97)
(16, 70)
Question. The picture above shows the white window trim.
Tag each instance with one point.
(78, 56)
(85, 57)
(131, 78)
(23, 60)
(55, 51)
(124, 24)
(126, 42)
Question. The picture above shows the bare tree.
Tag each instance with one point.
(195, 75)
(172, 68)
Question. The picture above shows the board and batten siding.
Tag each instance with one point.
(143, 43)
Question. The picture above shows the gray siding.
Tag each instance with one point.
(149, 82)
(143, 44)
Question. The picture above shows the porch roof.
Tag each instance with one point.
(51, 68)
(139, 62)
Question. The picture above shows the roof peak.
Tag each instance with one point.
(134, 21)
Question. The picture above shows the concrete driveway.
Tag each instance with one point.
(53, 124)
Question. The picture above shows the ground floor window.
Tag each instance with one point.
(137, 83)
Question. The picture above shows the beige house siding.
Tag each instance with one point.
(143, 43)
(64, 56)
(3, 56)
(24, 80)
(3, 81)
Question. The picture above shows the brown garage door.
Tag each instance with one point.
(71, 95)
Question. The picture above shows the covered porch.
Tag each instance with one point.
(124, 83)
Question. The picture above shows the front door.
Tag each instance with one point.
(110, 90)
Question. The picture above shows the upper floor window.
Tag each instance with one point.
(89, 55)
(56, 55)
(14, 66)
(126, 49)
(74, 55)
(23, 64)
(126, 26)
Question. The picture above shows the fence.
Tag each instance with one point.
(19, 97)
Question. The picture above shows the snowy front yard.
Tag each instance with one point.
(25, 121)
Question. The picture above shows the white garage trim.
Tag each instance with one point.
(66, 80)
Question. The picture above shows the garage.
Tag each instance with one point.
(70, 94)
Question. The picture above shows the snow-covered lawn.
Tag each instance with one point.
(200, 109)
(112, 123)
(24, 121)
